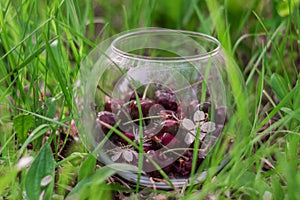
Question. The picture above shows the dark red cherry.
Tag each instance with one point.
(145, 107)
(106, 119)
(133, 95)
(205, 107)
(167, 99)
(169, 126)
(146, 148)
(113, 105)
(156, 109)
(129, 136)
(168, 139)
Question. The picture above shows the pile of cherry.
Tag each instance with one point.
(162, 132)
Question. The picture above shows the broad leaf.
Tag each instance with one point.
(22, 124)
(87, 167)
(40, 176)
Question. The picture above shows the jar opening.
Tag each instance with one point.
(164, 44)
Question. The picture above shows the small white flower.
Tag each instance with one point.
(199, 122)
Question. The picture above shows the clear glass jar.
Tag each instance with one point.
(167, 87)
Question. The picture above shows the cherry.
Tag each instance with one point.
(145, 107)
(133, 97)
(113, 105)
(205, 107)
(129, 136)
(168, 139)
(162, 105)
(167, 99)
(146, 148)
(107, 118)
(169, 126)
(155, 109)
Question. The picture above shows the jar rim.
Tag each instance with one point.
(200, 56)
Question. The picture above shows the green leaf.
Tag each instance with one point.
(279, 86)
(50, 108)
(36, 133)
(22, 124)
(42, 168)
(87, 167)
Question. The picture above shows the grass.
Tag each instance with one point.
(42, 44)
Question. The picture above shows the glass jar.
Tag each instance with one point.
(153, 98)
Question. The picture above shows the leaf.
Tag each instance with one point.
(199, 116)
(127, 155)
(22, 124)
(188, 124)
(87, 167)
(36, 133)
(50, 108)
(42, 167)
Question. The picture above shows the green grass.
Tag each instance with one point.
(42, 44)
